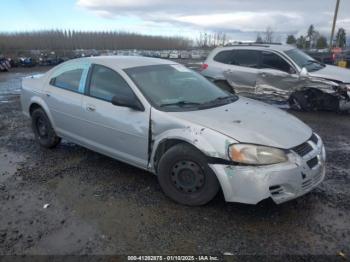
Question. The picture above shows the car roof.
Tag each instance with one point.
(254, 46)
(123, 62)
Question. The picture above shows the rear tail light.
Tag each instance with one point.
(203, 67)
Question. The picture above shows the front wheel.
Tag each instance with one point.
(313, 99)
(185, 177)
(43, 131)
(299, 101)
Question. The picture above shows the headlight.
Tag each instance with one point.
(256, 155)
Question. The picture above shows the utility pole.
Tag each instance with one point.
(334, 22)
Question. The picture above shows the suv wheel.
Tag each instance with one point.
(185, 177)
(299, 101)
(43, 131)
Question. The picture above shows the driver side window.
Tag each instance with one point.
(105, 83)
(273, 61)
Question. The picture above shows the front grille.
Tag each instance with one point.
(312, 162)
(305, 148)
(276, 190)
(307, 184)
(302, 149)
(317, 178)
(314, 138)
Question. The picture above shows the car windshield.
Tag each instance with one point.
(177, 88)
(304, 60)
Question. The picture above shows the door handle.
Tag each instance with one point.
(263, 74)
(90, 108)
(48, 94)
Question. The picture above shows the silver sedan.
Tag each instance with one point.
(162, 117)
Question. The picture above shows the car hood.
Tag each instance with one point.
(250, 121)
(333, 73)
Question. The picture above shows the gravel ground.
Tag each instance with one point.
(71, 200)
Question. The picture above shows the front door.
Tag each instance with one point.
(116, 131)
(277, 78)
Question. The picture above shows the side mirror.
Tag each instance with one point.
(304, 72)
(131, 102)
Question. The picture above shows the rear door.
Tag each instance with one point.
(217, 65)
(243, 70)
(64, 97)
(113, 130)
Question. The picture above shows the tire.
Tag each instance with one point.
(185, 176)
(299, 101)
(313, 99)
(43, 131)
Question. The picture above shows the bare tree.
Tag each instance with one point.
(207, 39)
(259, 39)
(268, 35)
(60, 40)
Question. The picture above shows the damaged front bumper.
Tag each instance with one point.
(280, 182)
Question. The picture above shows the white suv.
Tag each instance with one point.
(281, 72)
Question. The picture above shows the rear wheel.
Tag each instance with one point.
(185, 177)
(43, 131)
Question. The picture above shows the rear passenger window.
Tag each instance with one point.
(247, 58)
(271, 60)
(224, 57)
(68, 80)
(106, 83)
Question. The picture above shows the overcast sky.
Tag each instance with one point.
(241, 19)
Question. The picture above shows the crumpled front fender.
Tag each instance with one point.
(208, 141)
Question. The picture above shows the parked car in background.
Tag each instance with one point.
(343, 58)
(174, 55)
(50, 61)
(323, 57)
(347, 58)
(195, 54)
(184, 55)
(26, 62)
(5, 64)
(281, 72)
(164, 54)
(156, 54)
(162, 117)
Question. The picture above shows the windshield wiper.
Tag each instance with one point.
(180, 103)
(220, 98)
